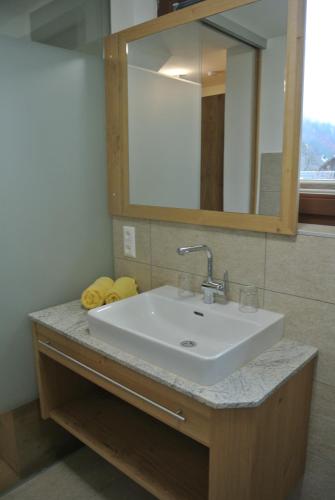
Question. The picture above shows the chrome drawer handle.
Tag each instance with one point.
(178, 414)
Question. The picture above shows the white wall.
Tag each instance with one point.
(55, 231)
(272, 96)
(126, 13)
(239, 126)
(272, 105)
(240, 115)
(164, 140)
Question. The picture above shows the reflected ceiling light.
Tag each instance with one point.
(174, 71)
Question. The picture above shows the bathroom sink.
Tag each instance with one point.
(203, 343)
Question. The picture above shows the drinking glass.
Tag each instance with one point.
(248, 299)
(185, 285)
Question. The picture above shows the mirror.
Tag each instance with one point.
(205, 112)
(206, 122)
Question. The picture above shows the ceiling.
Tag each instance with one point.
(195, 47)
(12, 11)
(201, 49)
(267, 18)
(68, 24)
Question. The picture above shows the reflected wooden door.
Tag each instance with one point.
(212, 152)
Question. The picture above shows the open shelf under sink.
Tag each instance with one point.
(165, 462)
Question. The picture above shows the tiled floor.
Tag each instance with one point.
(85, 476)
(81, 476)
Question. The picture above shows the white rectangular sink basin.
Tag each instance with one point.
(203, 343)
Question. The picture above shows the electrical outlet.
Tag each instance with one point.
(129, 241)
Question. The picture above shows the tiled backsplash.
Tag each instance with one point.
(270, 185)
(295, 276)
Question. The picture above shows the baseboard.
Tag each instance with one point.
(8, 478)
(8, 445)
(28, 443)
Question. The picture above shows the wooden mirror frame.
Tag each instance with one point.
(117, 123)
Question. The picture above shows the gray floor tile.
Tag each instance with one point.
(81, 476)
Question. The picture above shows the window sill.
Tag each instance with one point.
(316, 230)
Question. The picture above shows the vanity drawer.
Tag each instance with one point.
(167, 405)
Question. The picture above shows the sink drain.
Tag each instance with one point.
(188, 343)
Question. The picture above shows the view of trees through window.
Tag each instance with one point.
(318, 130)
(317, 151)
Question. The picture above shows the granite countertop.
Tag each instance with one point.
(247, 387)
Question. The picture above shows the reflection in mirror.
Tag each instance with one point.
(206, 112)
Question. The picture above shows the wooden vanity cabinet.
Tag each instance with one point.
(172, 445)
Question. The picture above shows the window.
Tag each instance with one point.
(317, 164)
(166, 6)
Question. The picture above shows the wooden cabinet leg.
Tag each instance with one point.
(233, 441)
(56, 384)
(259, 453)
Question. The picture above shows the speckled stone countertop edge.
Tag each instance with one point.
(247, 387)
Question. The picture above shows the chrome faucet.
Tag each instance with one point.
(209, 287)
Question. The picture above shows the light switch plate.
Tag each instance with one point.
(129, 241)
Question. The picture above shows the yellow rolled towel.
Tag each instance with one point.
(122, 288)
(95, 294)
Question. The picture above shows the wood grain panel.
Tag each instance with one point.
(113, 123)
(292, 117)
(166, 463)
(8, 445)
(212, 152)
(317, 209)
(197, 415)
(259, 453)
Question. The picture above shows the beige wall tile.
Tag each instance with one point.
(165, 238)
(142, 228)
(323, 402)
(137, 270)
(322, 437)
(242, 254)
(269, 203)
(234, 294)
(271, 171)
(310, 322)
(303, 266)
(320, 479)
(161, 277)
(318, 482)
(322, 426)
